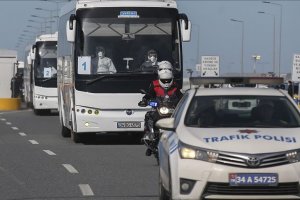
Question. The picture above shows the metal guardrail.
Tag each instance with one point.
(236, 80)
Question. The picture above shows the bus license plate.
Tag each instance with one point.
(253, 179)
(129, 125)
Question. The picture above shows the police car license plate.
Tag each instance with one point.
(253, 179)
(129, 125)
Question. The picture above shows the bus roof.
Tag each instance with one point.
(47, 37)
(79, 4)
(127, 3)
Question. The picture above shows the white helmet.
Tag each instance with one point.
(165, 74)
(164, 66)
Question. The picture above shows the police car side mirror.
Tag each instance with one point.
(166, 124)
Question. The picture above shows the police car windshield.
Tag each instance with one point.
(242, 111)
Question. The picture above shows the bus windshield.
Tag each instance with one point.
(115, 40)
(46, 60)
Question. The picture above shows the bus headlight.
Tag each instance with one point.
(90, 111)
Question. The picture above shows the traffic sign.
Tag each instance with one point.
(296, 68)
(210, 66)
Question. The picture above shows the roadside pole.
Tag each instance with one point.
(296, 74)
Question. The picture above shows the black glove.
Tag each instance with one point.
(143, 103)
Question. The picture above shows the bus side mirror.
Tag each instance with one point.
(70, 28)
(186, 30)
(32, 53)
(28, 60)
(185, 27)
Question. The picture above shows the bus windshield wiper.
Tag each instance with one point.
(113, 76)
(97, 79)
(48, 79)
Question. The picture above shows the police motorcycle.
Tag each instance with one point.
(161, 107)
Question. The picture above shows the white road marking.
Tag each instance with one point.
(51, 153)
(15, 128)
(22, 134)
(86, 190)
(3, 119)
(70, 168)
(8, 123)
(33, 142)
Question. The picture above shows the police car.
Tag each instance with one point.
(231, 143)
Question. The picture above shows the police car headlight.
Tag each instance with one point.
(163, 110)
(188, 152)
(293, 156)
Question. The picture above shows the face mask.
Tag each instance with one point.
(153, 59)
(100, 54)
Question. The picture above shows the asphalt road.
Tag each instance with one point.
(36, 162)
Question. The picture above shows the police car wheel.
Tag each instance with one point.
(163, 194)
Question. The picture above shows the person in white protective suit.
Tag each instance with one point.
(105, 64)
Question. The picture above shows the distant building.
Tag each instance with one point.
(7, 60)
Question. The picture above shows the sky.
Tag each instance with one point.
(213, 33)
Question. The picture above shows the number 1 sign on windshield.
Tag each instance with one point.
(84, 65)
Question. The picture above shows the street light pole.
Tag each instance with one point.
(280, 30)
(256, 58)
(242, 57)
(45, 21)
(190, 71)
(274, 62)
(51, 16)
(57, 7)
(198, 40)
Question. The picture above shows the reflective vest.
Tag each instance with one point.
(161, 92)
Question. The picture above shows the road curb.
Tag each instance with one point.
(10, 103)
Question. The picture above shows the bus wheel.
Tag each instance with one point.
(75, 136)
(37, 111)
(65, 132)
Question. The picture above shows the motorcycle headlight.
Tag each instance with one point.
(189, 152)
(163, 110)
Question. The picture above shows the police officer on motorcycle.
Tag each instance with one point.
(164, 87)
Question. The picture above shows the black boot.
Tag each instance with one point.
(148, 152)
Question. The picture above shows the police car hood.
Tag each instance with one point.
(242, 140)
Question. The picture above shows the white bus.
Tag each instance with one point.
(44, 74)
(91, 102)
(28, 78)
